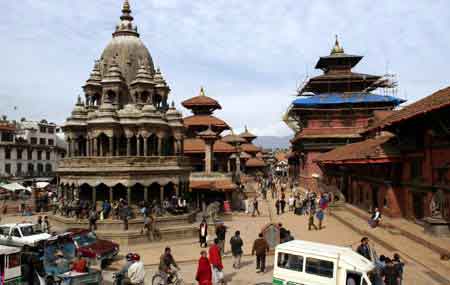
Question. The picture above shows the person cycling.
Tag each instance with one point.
(166, 262)
(122, 274)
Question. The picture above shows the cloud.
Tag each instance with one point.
(250, 55)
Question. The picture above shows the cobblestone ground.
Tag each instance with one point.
(186, 251)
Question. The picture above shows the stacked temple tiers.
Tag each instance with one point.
(125, 141)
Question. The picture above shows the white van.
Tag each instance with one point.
(300, 262)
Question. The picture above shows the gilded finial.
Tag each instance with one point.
(337, 47)
(246, 130)
(202, 91)
(126, 11)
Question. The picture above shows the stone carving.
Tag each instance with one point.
(212, 212)
(436, 204)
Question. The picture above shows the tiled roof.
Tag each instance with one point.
(201, 100)
(328, 99)
(232, 138)
(328, 133)
(205, 120)
(249, 147)
(246, 134)
(255, 162)
(221, 185)
(360, 152)
(437, 100)
(7, 127)
(196, 145)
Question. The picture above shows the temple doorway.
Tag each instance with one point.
(417, 203)
(119, 192)
(85, 192)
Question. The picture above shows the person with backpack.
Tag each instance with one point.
(236, 244)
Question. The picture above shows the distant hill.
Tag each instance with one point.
(273, 142)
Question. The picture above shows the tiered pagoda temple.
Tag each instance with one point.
(332, 110)
(217, 160)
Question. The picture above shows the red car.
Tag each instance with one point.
(91, 247)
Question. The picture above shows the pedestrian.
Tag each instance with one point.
(106, 209)
(216, 262)
(93, 217)
(320, 215)
(283, 203)
(283, 232)
(39, 223)
(375, 218)
(236, 244)
(203, 233)
(311, 221)
(289, 236)
(204, 273)
(399, 265)
(278, 206)
(291, 203)
(255, 207)
(46, 225)
(221, 231)
(147, 227)
(390, 274)
(260, 248)
(379, 267)
(364, 248)
(125, 213)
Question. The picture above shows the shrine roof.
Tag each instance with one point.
(281, 156)
(345, 98)
(343, 76)
(437, 100)
(196, 145)
(372, 149)
(201, 101)
(328, 133)
(255, 162)
(219, 185)
(204, 120)
(247, 135)
(249, 147)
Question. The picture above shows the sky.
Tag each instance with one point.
(250, 55)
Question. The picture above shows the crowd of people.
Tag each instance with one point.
(389, 270)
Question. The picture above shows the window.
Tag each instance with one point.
(30, 154)
(19, 167)
(7, 153)
(14, 260)
(40, 168)
(33, 140)
(51, 130)
(48, 167)
(39, 155)
(19, 153)
(51, 142)
(319, 267)
(4, 231)
(42, 141)
(16, 233)
(7, 136)
(42, 129)
(290, 261)
(416, 168)
(8, 168)
(47, 155)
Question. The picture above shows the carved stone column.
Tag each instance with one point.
(111, 146)
(129, 195)
(128, 146)
(160, 146)
(138, 146)
(111, 194)
(161, 194)
(145, 146)
(94, 196)
(88, 147)
(95, 147)
(146, 189)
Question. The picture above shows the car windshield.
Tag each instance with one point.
(85, 239)
(27, 231)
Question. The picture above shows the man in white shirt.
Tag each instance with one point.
(136, 272)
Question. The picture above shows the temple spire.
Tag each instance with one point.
(337, 49)
(202, 91)
(126, 11)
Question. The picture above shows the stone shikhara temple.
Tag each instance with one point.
(124, 140)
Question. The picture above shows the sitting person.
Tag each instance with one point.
(79, 264)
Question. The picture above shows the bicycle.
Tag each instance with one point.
(118, 278)
(174, 279)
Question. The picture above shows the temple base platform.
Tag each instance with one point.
(437, 227)
(170, 228)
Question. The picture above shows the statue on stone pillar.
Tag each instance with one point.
(436, 204)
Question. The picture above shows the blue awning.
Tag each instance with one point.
(346, 98)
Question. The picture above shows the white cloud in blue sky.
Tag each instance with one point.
(250, 55)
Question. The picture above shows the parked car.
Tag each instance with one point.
(21, 234)
(90, 246)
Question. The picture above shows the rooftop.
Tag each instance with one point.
(378, 149)
(205, 120)
(255, 162)
(201, 101)
(196, 145)
(328, 133)
(435, 101)
(328, 99)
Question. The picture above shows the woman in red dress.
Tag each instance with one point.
(204, 274)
